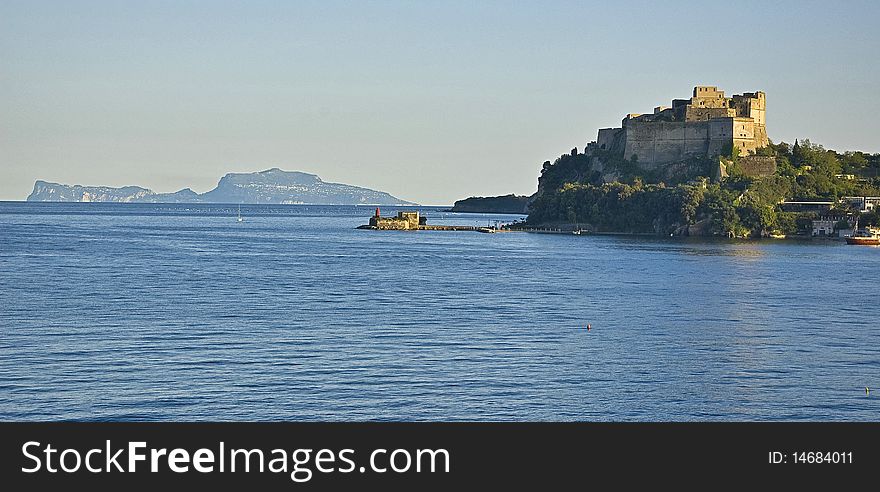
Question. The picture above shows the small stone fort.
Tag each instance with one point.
(413, 221)
(706, 125)
(404, 221)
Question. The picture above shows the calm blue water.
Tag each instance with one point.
(178, 312)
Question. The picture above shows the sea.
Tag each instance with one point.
(179, 312)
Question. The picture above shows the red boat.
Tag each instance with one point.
(869, 236)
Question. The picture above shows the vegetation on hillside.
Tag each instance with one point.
(683, 197)
(507, 204)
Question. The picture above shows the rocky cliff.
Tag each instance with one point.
(54, 192)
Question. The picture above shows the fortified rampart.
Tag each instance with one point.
(708, 124)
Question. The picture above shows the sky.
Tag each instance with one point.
(429, 101)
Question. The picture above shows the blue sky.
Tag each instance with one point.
(430, 101)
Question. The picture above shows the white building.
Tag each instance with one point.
(823, 227)
(863, 203)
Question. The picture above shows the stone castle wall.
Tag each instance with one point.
(610, 139)
(708, 124)
(755, 165)
(751, 165)
(655, 143)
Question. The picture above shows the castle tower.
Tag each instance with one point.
(708, 96)
(707, 103)
(753, 105)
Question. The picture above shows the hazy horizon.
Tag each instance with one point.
(430, 102)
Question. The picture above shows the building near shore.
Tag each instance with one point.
(862, 203)
(823, 227)
(403, 221)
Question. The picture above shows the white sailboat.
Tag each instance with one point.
(239, 213)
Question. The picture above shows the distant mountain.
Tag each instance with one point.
(277, 186)
(270, 186)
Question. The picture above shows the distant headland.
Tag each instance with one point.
(507, 204)
(272, 186)
(702, 166)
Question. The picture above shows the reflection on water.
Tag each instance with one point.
(180, 312)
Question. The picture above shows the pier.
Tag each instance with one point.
(413, 221)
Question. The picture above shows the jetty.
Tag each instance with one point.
(414, 221)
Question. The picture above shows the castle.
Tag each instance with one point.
(706, 125)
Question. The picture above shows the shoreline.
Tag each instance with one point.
(568, 229)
